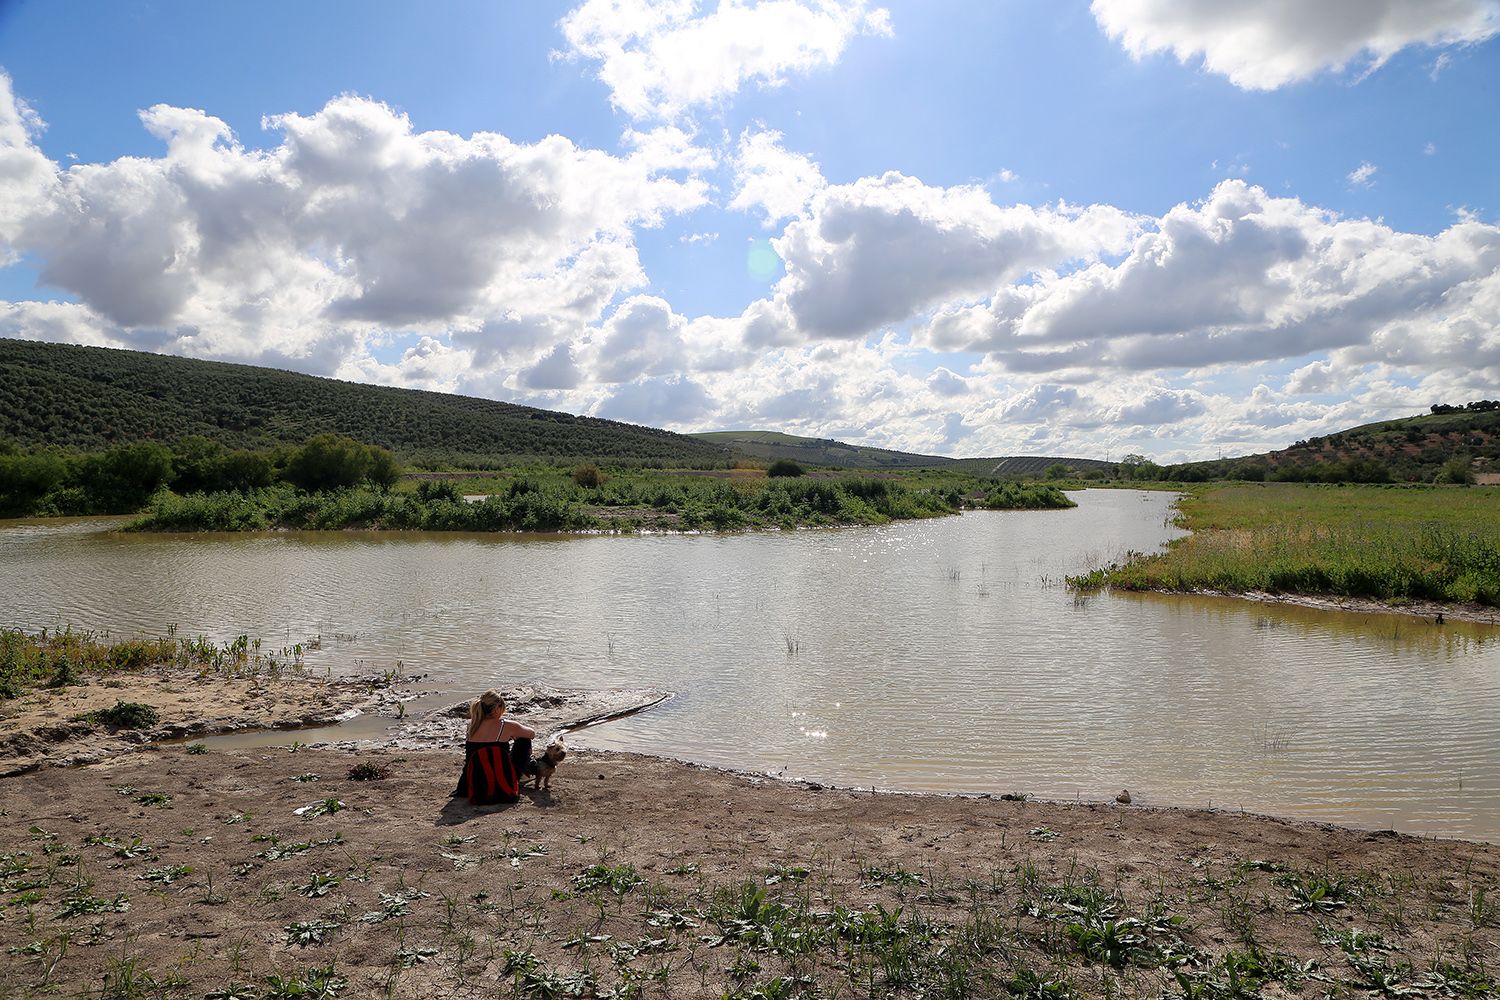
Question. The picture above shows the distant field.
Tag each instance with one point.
(1432, 543)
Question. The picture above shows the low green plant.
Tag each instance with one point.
(128, 715)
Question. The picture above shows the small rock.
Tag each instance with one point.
(1124, 797)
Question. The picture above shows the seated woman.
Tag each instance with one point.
(496, 753)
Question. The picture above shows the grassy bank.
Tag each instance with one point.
(56, 659)
(550, 499)
(1388, 544)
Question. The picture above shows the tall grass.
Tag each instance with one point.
(1387, 544)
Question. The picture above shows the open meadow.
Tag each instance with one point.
(1392, 544)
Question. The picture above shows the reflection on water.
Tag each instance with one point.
(940, 655)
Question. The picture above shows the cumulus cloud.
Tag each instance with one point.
(642, 337)
(1244, 277)
(910, 316)
(555, 371)
(660, 58)
(354, 222)
(771, 180)
(882, 249)
(1265, 44)
(673, 400)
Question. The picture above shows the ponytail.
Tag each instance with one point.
(483, 706)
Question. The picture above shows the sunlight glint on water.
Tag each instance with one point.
(943, 655)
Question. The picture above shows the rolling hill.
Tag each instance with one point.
(90, 398)
(772, 445)
(1407, 449)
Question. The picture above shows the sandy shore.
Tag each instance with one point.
(182, 871)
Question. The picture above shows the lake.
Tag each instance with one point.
(942, 655)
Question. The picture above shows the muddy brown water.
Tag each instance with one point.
(943, 655)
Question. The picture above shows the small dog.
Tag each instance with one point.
(542, 767)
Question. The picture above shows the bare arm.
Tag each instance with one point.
(512, 730)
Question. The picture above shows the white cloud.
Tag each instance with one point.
(660, 58)
(1265, 44)
(882, 249)
(555, 371)
(510, 269)
(768, 178)
(27, 177)
(353, 223)
(674, 400)
(1246, 277)
(642, 337)
(1363, 176)
(668, 147)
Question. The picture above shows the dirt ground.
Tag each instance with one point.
(176, 871)
(49, 726)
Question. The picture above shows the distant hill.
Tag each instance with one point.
(92, 397)
(1412, 448)
(1028, 465)
(772, 445)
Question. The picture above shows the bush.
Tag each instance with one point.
(1457, 470)
(431, 490)
(369, 771)
(784, 467)
(587, 476)
(332, 461)
(128, 715)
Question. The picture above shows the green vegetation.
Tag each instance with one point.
(1390, 544)
(1447, 445)
(92, 398)
(122, 479)
(770, 446)
(56, 659)
(784, 467)
(128, 715)
(550, 499)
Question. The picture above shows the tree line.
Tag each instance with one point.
(122, 479)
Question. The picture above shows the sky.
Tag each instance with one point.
(1179, 228)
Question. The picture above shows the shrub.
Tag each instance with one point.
(128, 715)
(369, 771)
(784, 467)
(587, 476)
(431, 490)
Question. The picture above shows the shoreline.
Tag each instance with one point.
(687, 880)
(1478, 614)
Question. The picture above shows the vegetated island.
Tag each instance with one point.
(1426, 549)
(187, 870)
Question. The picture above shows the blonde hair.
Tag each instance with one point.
(483, 706)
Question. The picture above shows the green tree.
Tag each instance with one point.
(332, 461)
(1057, 470)
(122, 479)
(1457, 469)
(198, 464)
(25, 479)
(784, 467)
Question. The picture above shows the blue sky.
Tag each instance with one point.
(957, 228)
